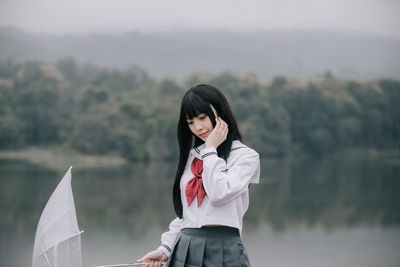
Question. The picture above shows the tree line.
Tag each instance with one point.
(127, 112)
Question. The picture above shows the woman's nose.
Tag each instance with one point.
(198, 126)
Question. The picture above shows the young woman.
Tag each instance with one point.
(210, 192)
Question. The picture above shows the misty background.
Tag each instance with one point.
(97, 84)
(175, 38)
(177, 54)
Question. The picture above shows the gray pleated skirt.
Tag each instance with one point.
(217, 246)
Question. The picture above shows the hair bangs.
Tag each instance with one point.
(193, 105)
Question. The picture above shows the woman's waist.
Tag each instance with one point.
(226, 212)
(211, 231)
(210, 221)
(199, 220)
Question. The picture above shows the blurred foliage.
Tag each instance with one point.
(99, 111)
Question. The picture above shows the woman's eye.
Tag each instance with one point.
(202, 118)
(189, 122)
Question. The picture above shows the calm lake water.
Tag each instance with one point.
(309, 213)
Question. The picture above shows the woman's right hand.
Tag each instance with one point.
(154, 258)
(219, 133)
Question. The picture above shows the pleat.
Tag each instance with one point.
(196, 252)
(234, 253)
(181, 250)
(172, 256)
(213, 254)
(209, 247)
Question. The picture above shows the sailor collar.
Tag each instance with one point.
(236, 144)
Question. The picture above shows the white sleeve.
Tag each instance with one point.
(222, 184)
(168, 238)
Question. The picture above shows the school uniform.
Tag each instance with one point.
(189, 241)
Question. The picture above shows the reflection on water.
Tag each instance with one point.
(302, 214)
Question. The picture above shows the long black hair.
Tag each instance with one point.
(197, 100)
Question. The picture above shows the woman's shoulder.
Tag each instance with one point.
(241, 150)
(239, 147)
(247, 158)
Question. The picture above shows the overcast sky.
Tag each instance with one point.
(82, 16)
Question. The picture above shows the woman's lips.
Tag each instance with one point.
(203, 134)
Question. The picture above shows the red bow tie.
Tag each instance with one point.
(195, 185)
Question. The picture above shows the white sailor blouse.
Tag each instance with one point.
(226, 185)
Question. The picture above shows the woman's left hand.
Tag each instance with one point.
(219, 133)
(154, 258)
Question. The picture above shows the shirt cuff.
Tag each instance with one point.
(164, 248)
(209, 151)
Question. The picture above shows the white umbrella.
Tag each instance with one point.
(58, 238)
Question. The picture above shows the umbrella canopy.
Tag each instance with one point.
(57, 240)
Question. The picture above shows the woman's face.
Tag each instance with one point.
(201, 126)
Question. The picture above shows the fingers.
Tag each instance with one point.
(218, 120)
(153, 258)
(144, 258)
(151, 264)
(215, 112)
(219, 133)
(224, 129)
(155, 263)
(222, 125)
(149, 256)
(222, 122)
(148, 263)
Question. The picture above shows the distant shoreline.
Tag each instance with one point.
(57, 157)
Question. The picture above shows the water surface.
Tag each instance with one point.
(303, 213)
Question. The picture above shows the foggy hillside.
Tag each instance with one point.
(177, 54)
